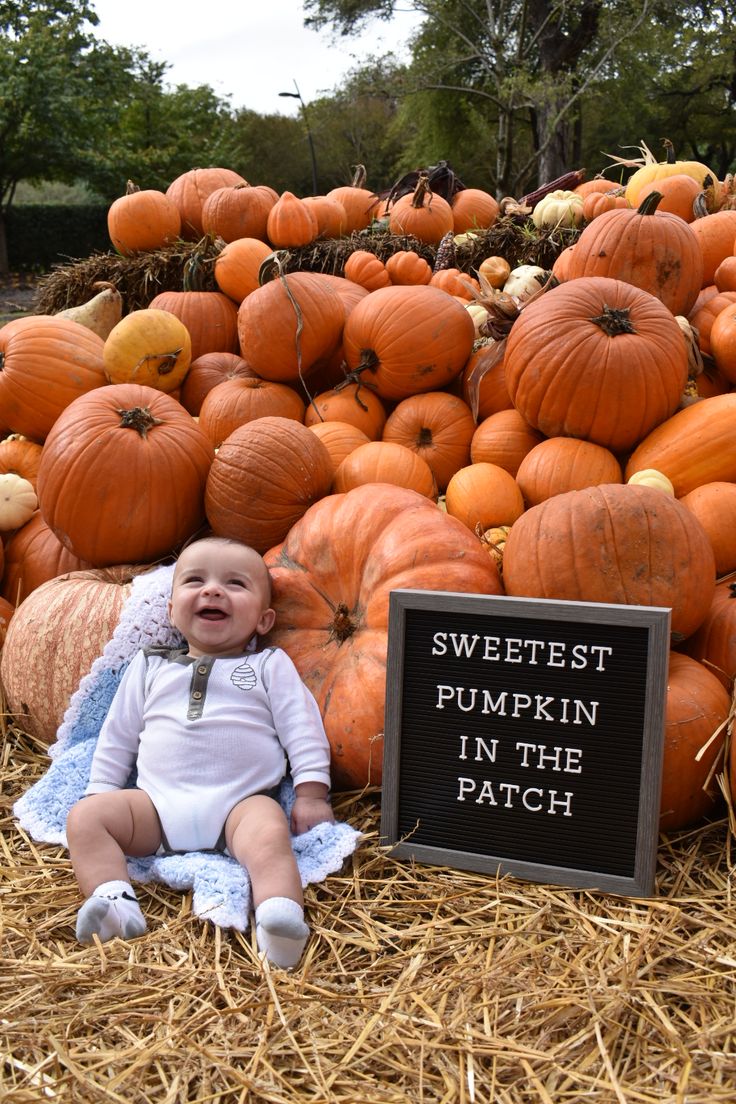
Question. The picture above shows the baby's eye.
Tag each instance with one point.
(239, 583)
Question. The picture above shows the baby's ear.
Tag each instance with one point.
(265, 622)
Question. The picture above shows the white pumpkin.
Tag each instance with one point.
(650, 477)
(558, 208)
(524, 281)
(17, 501)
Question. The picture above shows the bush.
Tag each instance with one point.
(41, 236)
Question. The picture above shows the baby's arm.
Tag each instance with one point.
(311, 807)
(117, 744)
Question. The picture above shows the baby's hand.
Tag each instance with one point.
(309, 811)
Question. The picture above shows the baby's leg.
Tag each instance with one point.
(101, 830)
(257, 835)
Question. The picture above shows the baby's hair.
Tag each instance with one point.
(215, 538)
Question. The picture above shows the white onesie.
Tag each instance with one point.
(205, 733)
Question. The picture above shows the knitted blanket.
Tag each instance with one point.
(220, 887)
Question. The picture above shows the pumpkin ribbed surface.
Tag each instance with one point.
(33, 555)
(598, 359)
(625, 544)
(122, 475)
(265, 476)
(332, 577)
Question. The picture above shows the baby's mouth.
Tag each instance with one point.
(211, 614)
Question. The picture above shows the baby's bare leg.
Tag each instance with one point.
(101, 830)
(257, 835)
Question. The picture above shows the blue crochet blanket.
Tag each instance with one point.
(220, 887)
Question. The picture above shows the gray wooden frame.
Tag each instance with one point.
(655, 619)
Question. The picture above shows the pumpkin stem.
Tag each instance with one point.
(342, 625)
(650, 203)
(670, 151)
(359, 176)
(615, 321)
(422, 189)
(424, 437)
(131, 188)
(168, 361)
(138, 418)
(352, 377)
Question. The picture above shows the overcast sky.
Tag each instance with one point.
(249, 51)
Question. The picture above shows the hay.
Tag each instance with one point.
(143, 276)
(420, 984)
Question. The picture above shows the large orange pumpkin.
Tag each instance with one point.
(238, 211)
(626, 544)
(331, 579)
(406, 340)
(265, 476)
(483, 496)
(596, 358)
(45, 363)
(697, 707)
(53, 639)
(421, 214)
(235, 402)
(123, 474)
(142, 220)
(714, 235)
(33, 555)
(437, 426)
(650, 249)
(190, 189)
(385, 462)
(238, 265)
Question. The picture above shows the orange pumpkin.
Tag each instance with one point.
(714, 505)
(704, 316)
(53, 639)
(358, 202)
(367, 269)
(406, 340)
(714, 235)
(237, 267)
(352, 403)
(595, 203)
(455, 282)
(626, 544)
(385, 462)
(714, 642)
(339, 438)
(725, 274)
(238, 211)
(291, 223)
(190, 189)
(265, 476)
(210, 317)
(123, 474)
(405, 266)
(6, 612)
(47, 362)
(140, 221)
(240, 400)
(437, 426)
(33, 555)
(422, 214)
(678, 192)
(562, 464)
(723, 342)
(597, 184)
(697, 707)
(21, 456)
(206, 372)
(503, 438)
(331, 582)
(482, 496)
(650, 249)
(596, 358)
(330, 215)
(473, 209)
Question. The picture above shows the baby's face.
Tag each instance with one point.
(220, 597)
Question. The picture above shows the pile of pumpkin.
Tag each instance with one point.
(567, 435)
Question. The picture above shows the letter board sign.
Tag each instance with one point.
(526, 736)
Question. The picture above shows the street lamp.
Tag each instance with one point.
(303, 107)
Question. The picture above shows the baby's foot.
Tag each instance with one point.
(111, 911)
(281, 932)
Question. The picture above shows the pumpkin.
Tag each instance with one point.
(494, 271)
(482, 496)
(210, 317)
(503, 438)
(597, 184)
(20, 456)
(331, 582)
(723, 342)
(714, 235)
(614, 543)
(6, 612)
(265, 476)
(190, 189)
(562, 464)
(123, 474)
(484, 379)
(650, 249)
(455, 282)
(437, 426)
(703, 317)
(33, 555)
(289, 325)
(697, 707)
(421, 214)
(367, 269)
(405, 340)
(237, 267)
(206, 372)
(17, 502)
(714, 642)
(679, 192)
(659, 170)
(291, 223)
(650, 477)
(339, 438)
(714, 505)
(234, 402)
(405, 266)
(142, 220)
(238, 211)
(725, 275)
(330, 215)
(562, 265)
(149, 347)
(525, 281)
(596, 203)
(352, 403)
(52, 641)
(596, 358)
(45, 363)
(693, 447)
(473, 209)
(358, 202)
(385, 462)
(558, 208)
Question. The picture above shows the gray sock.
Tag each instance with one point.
(112, 910)
(281, 931)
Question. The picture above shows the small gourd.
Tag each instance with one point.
(524, 281)
(558, 208)
(650, 477)
(17, 501)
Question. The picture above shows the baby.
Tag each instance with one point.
(209, 729)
